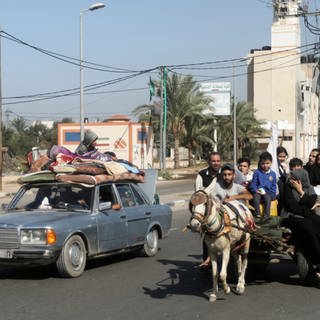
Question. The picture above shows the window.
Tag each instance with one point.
(137, 196)
(126, 195)
(106, 194)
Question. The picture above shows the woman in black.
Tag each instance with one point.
(300, 201)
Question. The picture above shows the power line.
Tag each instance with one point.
(67, 59)
(259, 62)
(75, 91)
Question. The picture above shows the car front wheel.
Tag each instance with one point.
(151, 243)
(72, 259)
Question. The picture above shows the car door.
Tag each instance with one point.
(136, 211)
(111, 222)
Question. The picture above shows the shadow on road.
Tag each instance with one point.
(184, 278)
(50, 271)
(28, 273)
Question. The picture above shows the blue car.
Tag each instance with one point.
(69, 223)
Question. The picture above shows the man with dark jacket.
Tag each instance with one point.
(205, 178)
(312, 160)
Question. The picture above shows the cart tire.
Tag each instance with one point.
(304, 269)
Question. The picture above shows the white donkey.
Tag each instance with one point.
(224, 228)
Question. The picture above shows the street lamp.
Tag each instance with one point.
(93, 7)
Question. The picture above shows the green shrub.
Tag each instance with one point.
(165, 174)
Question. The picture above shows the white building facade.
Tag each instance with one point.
(282, 83)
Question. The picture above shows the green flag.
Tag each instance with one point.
(151, 88)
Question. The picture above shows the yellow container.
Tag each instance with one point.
(273, 208)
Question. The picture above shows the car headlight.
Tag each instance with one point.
(37, 236)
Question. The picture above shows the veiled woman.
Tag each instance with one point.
(300, 201)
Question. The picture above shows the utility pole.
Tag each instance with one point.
(164, 101)
(1, 160)
(161, 120)
(234, 119)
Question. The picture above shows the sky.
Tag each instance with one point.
(126, 36)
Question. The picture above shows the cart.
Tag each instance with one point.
(269, 239)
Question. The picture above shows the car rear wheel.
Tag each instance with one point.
(72, 259)
(151, 243)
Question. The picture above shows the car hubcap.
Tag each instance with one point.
(151, 240)
(76, 255)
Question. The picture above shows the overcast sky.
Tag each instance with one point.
(135, 35)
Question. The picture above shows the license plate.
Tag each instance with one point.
(6, 254)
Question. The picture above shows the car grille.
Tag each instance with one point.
(8, 238)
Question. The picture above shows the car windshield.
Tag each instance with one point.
(54, 196)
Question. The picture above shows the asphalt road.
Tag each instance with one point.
(168, 286)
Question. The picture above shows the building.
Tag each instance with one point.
(131, 141)
(282, 83)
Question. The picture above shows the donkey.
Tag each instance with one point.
(224, 227)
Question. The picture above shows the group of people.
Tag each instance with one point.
(291, 188)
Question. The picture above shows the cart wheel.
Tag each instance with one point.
(305, 269)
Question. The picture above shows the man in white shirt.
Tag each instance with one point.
(226, 189)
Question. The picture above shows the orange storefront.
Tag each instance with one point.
(131, 141)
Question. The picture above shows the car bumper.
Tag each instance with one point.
(28, 256)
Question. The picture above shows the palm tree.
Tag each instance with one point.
(150, 113)
(248, 129)
(184, 101)
(199, 134)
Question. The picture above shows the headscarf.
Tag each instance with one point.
(302, 175)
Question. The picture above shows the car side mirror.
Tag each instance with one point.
(105, 206)
(108, 205)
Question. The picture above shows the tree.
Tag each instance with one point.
(19, 124)
(19, 142)
(150, 113)
(184, 101)
(199, 135)
(185, 105)
(248, 129)
(54, 130)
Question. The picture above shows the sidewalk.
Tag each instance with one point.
(176, 200)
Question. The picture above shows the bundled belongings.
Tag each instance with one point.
(67, 166)
(92, 180)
